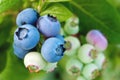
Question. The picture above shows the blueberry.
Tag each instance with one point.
(48, 25)
(52, 50)
(74, 67)
(97, 39)
(19, 52)
(27, 16)
(90, 71)
(100, 61)
(87, 53)
(80, 78)
(34, 61)
(60, 37)
(50, 67)
(26, 37)
(72, 25)
(74, 44)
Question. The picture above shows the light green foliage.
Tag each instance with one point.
(58, 10)
(8, 4)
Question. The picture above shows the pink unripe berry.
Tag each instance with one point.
(97, 39)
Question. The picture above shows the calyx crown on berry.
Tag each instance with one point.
(52, 18)
(22, 33)
(60, 50)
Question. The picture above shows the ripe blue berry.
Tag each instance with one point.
(19, 52)
(48, 25)
(34, 61)
(26, 37)
(97, 39)
(27, 16)
(60, 37)
(52, 49)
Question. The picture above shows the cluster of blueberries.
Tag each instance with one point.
(27, 36)
(85, 60)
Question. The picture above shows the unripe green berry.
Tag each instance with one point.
(73, 67)
(90, 71)
(50, 67)
(100, 61)
(80, 78)
(87, 53)
(74, 44)
(72, 25)
(34, 61)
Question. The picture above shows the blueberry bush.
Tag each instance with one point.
(59, 39)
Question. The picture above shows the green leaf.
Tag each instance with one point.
(58, 10)
(3, 56)
(5, 28)
(7, 4)
(98, 14)
(15, 69)
(115, 3)
(57, 0)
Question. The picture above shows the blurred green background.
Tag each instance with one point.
(93, 14)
